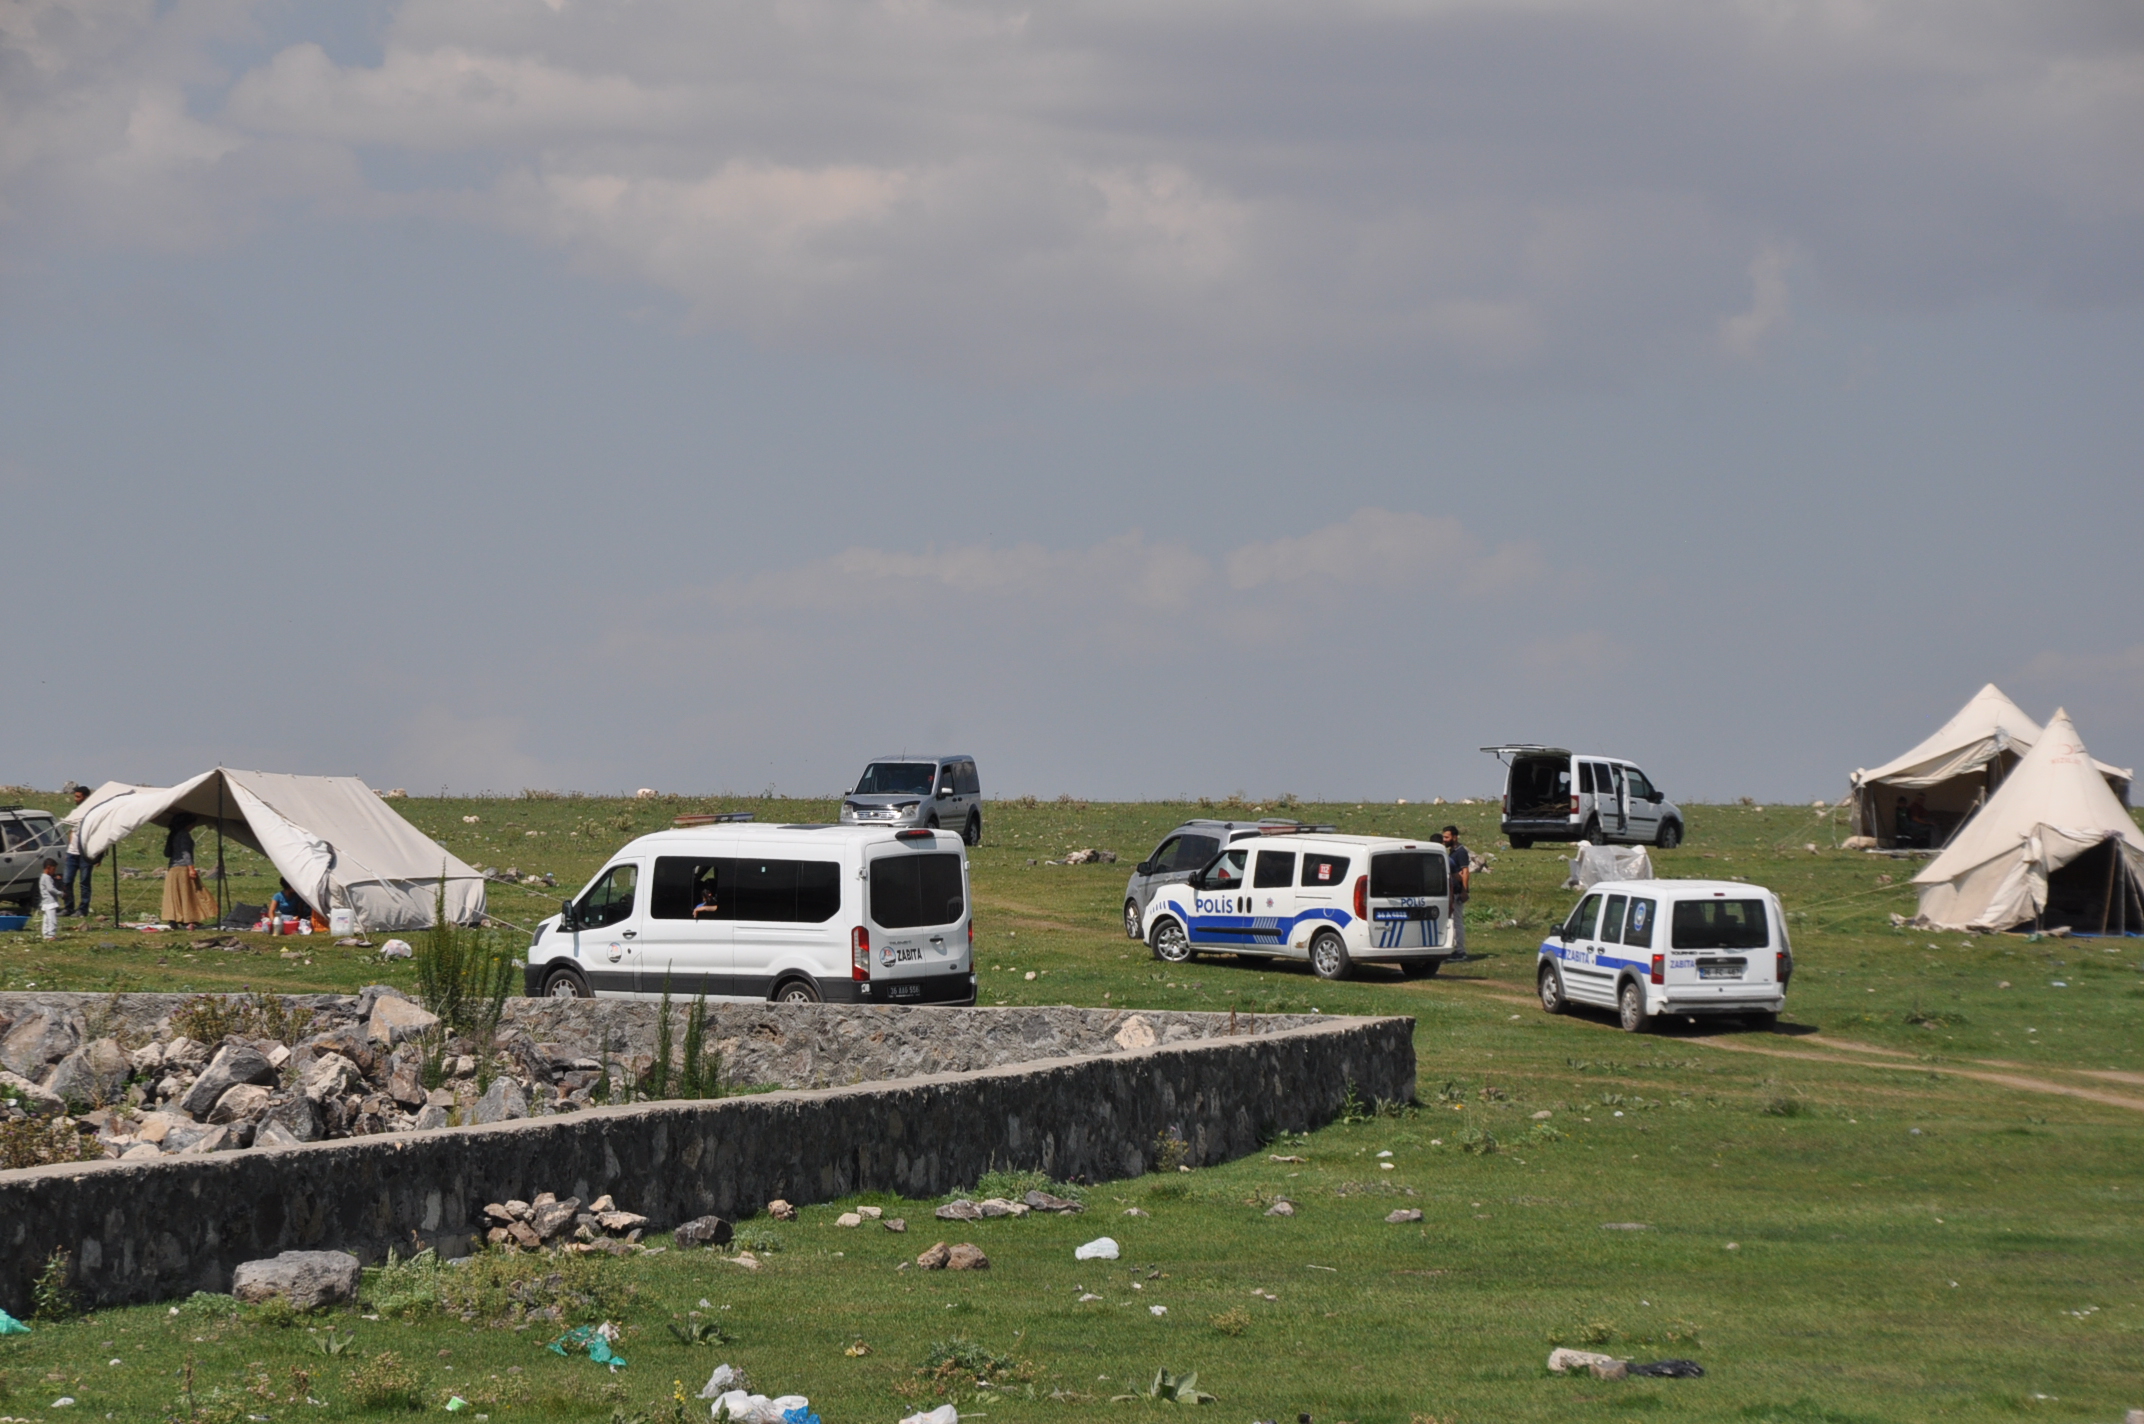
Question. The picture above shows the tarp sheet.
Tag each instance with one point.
(331, 837)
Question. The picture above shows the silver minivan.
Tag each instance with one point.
(27, 837)
(1187, 850)
(1554, 794)
(933, 792)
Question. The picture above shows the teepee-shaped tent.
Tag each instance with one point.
(1951, 774)
(2052, 846)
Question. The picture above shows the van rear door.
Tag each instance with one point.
(1409, 898)
(916, 913)
(1720, 947)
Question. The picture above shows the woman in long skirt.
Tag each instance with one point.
(185, 903)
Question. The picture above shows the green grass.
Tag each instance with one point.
(1854, 1193)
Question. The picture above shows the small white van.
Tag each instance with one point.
(793, 914)
(1554, 794)
(1651, 947)
(1334, 900)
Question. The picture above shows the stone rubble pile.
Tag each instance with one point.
(532, 1225)
(356, 1069)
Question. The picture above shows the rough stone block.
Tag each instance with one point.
(307, 1279)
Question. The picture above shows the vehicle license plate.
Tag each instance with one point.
(904, 991)
(1719, 971)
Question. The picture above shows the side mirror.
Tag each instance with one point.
(1144, 867)
(1657, 797)
(944, 791)
(565, 915)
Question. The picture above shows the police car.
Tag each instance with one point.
(1334, 900)
(1651, 947)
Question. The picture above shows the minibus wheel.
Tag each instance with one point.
(566, 984)
(796, 991)
(1670, 835)
(972, 833)
(1131, 919)
(1630, 1005)
(1551, 988)
(1328, 956)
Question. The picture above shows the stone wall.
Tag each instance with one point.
(151, 1230)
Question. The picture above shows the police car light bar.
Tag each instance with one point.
(712, 818)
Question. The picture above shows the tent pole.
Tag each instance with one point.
(220, 877)
(2106, 906)
(115, 885)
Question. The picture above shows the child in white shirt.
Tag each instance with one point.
(48, 897)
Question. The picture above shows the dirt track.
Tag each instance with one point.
(1874, 1057)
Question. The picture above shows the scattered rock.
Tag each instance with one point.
(704, 1231)
(39, 1041)
(959, 1210)
(394, 1020)
(848, 1218)
(1136, 1032)
(998, 1206)
(1043, 1201)
(31, 1095)
(240, 1103)
(273, 1134)
(548, 1218)
(870, 1213)
(523, 1237)
(1543, 1116)
(430, 1118)
(1404, 1215)
(233, 1064)
(502, 1102)
(144, 1151)
(621, 1221)
(1561, 1361)
(307, 1279)
(781, 1210)
(966, 1257)
(935, 1258)
(1612, 1370)
(331, 1076)
(1283, 1207)
(96, 1072)
(894, 1224)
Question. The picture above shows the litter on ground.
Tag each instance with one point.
(595, 1339)
(1102, 1248)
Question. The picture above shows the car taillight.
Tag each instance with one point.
(1782, 966)
(1660, 969)
(971, 936)
(1507, 803)
(1362, 897)
(1574, 803)
(859, 953)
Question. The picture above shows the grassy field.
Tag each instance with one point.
(1919, 1199)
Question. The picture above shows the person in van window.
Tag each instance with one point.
(1462, 876)
(707, 909)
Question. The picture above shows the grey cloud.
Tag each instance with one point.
(1356, 193)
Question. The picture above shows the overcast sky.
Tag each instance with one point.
(1151, 398)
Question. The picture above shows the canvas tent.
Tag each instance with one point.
(1953, 773)
(2053, 846)
(331, 837)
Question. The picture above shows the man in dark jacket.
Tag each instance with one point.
(1462, 867)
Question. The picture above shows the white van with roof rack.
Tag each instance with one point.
(1335, 901)
(1648, 948)
(796, 914)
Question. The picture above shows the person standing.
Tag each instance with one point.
(75, 865)
(184, 902)
(48, 898)
(1462, 873)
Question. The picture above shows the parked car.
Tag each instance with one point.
(1651, 947)
(1552, 794)
(1332, 900)
(918, 791)
(795, 914)
(27, 837)
(1187, 850)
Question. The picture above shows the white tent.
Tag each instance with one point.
(1954, 771)
(331, 837)
(2052, 845)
